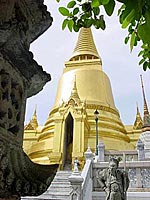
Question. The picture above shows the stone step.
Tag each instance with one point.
(61, 179)
(130, 195)
(58, 190)
(60, 183)
(63, 173)
(58, 197)
(55, 193)
(60, 187)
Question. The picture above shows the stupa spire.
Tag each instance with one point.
(33, 124)
(34, 121)
(138, 124)
(146, 118)
(85, 47)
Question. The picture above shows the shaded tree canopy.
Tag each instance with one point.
(134, 15)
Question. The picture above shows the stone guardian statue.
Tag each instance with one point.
(114, 181)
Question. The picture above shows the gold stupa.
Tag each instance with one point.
(70, 128)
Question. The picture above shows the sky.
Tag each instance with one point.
(55, 46)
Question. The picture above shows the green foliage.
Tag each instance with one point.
(95, 3)
(145, 53)
(134, 15)
(64, 11)
(71, 4)
(109, 7)
(81, 13)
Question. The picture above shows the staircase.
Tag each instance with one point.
(59, 188)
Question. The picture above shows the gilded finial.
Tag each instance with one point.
(74, 92)
(85, 47)
(137, 108)
(35, 113)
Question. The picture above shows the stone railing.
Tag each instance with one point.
(82, 183)
(134, 155)
(87, 184)
(130, 155)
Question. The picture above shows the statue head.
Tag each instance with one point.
(113, 163)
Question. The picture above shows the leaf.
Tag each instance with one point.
(74, 19)
(102, 22)
(140, 53)
(88, 23)
(64, 11)
(127, 8)
(86, 7)
(75, 11)
(145, 65)
(121, 8)
(141, 61)
(86, 15)
(80, 23)
(75, 27)
(95, 3)
(96, 11)
(99, 23)
(126, 40)
(132, 40)
(71, 4)
(109, 8)
(144, 46)
(128, 19)
(65, 22)
(143, 31)
(70, 24)
(130, 29)
(96, 23)
(104, 2)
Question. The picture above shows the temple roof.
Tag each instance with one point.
(85, 45)
(33, 124)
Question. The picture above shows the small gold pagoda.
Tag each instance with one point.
(70, 127)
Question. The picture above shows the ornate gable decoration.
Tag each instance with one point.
(138, 124)
(74, 99)
(74, 103)
(33, 124)
(28, 127)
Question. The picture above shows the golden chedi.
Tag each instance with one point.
(70, 127)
